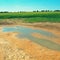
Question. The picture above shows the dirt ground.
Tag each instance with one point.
(13, 48)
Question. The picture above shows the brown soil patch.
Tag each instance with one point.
(12, 48)
(54, 39)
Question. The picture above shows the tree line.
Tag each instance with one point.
(34, 11)
(47, 11)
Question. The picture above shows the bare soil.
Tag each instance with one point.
(13, 48)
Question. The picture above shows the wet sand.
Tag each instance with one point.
(13, 48)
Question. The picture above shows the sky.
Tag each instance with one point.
(29, 5)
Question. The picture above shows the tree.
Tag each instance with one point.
(56, 10)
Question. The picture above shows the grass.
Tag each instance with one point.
(32, 16)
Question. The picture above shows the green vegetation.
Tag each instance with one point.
(32, 16)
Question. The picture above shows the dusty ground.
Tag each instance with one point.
(13, 48)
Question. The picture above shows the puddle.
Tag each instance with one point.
(26, 33)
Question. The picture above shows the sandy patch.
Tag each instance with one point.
(13, 48)
(53, 39)
(32, 50)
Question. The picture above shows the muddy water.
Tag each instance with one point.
(25, 32)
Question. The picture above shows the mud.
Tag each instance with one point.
(14, 48)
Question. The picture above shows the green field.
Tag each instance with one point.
(32, 16)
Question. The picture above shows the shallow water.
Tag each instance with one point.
(25, 32)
